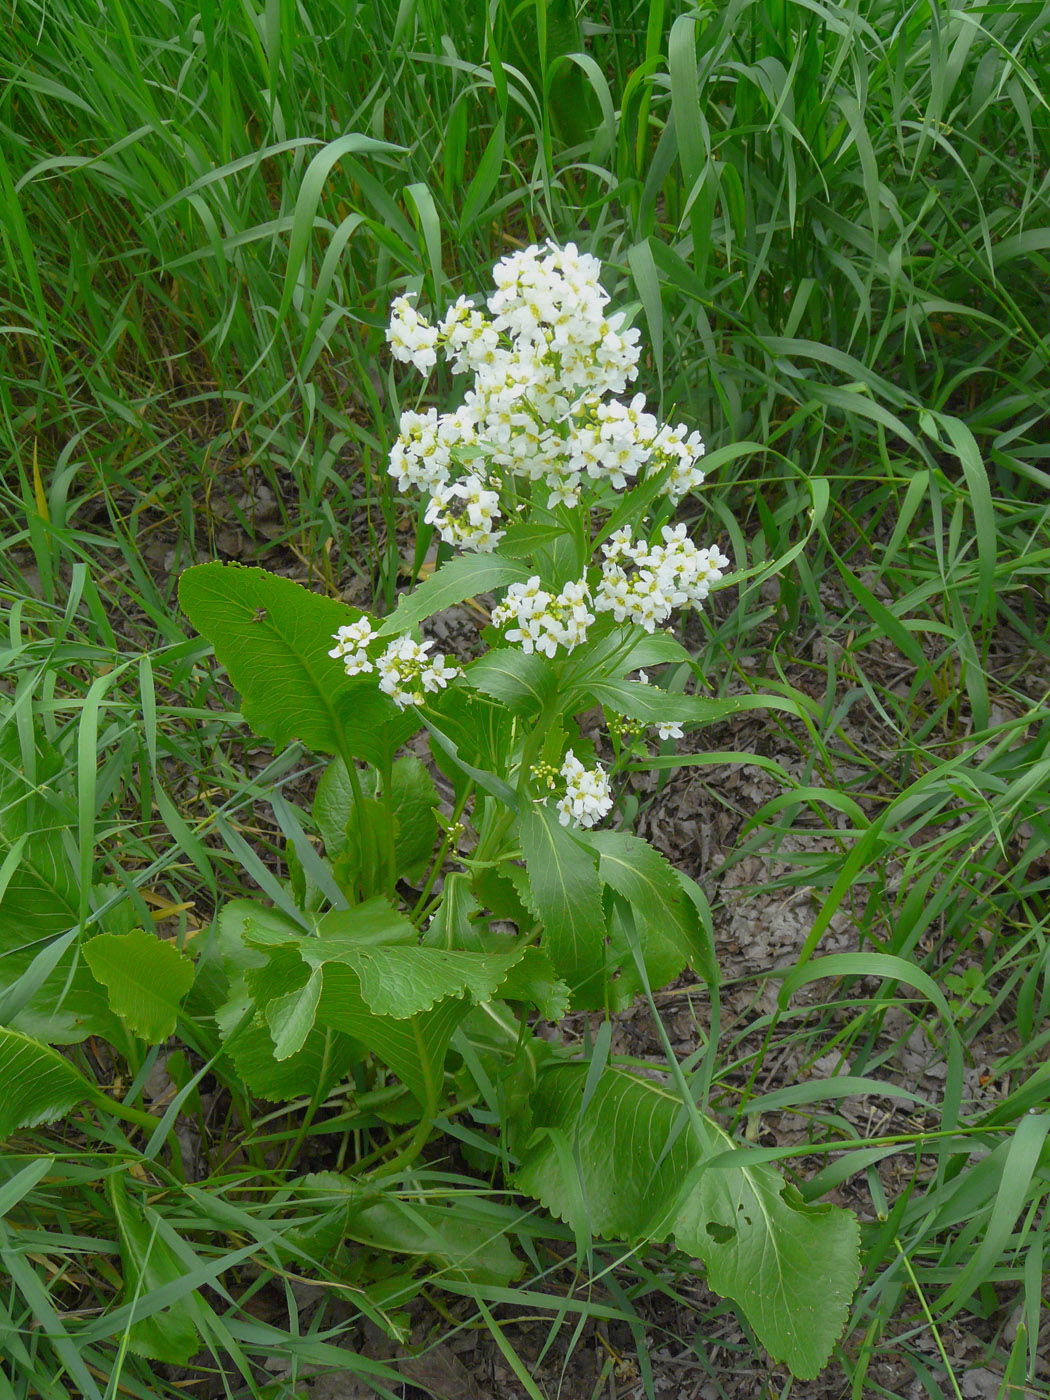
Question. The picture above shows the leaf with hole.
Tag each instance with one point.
(622, 1157)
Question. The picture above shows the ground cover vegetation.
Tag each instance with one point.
(337, 1060)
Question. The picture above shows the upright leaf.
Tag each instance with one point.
(173, 1333)
(566, 897)
(412, 798)
(273, 636)
(668, 919)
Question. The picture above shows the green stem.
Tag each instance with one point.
(141, 1119)
(391, 851)
(359, 807)
(439, 859)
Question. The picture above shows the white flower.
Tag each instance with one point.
(587, 796)
(464, 513)
(545, 621)
(350, 642)
(670, 731)
(411, 338)
(407, 674)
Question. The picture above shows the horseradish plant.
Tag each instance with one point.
(431, 935)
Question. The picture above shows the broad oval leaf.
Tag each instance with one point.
(565, 894)
(146, 980)
(521, 682)
(273, 636)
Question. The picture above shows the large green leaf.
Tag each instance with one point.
(321, 1061)
(565, 894)
(627, 1162)
(174, 1333)
(273, 636)
(792, 1267)
(401, 981)
(39, 1084)
(395, 999)
(146, 980)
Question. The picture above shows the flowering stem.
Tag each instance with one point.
(391, 853)
(359, 798)
(439, 859)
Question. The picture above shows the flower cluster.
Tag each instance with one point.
(545, 620)
(544, 359)
(587, 796)
(463, 512)
(408, 675)
(406, 672)
(350, 644)
(644, 583)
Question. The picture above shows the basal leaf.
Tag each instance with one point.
(174, 1333)
(461, 1240)
(792, 1267)
(414, 1047)
(401, 981)
(39, 1084)
(623, 1189)
(273, 636)
(145, 977)
(462, 577)
(566, 897)
(242, 919)
(371, 923)
(317, 1067)
(629, 1163)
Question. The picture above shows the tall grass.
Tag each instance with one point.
(833, 223)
